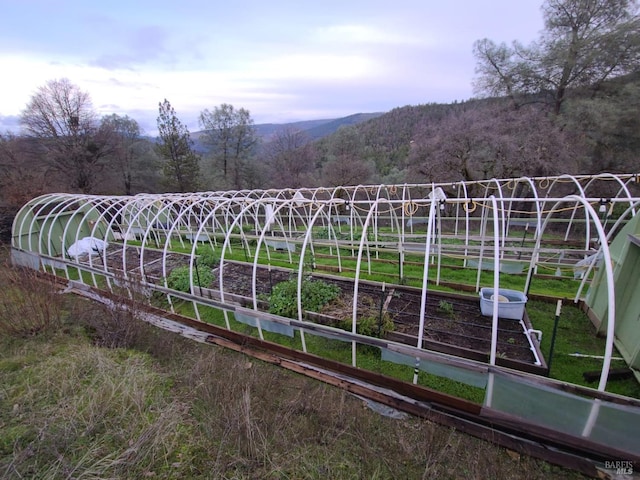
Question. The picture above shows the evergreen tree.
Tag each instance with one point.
(182, 165)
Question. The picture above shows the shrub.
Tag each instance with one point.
(116, 327)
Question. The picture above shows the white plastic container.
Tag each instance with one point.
(510, 303)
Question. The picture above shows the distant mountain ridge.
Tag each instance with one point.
(315, 129)
(266, 131)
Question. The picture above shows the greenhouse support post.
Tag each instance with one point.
(553, 335)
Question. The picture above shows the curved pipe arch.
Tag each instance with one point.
(609, 275)
(52, 218)
(576, 182)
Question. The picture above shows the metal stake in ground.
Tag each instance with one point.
(553, 335)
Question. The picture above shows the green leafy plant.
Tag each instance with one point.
(446, 308)
(371, 326)
(322, 233)
(315, 294)
(209, 258)
(178, 279)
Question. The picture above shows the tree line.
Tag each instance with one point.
(567, 103)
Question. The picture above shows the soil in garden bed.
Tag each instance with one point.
(454, 320)
(237, 278)
(152, 261)
(453, 323)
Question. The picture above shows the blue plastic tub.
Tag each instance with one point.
(510, 303)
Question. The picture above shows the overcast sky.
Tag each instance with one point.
(282, 60)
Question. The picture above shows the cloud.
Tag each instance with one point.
(277, 59)
(313, 66)
(134, 48)
(9, 123)
(356, 34)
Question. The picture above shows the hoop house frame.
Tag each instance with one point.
(354, 235)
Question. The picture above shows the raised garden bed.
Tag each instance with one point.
(454, 323)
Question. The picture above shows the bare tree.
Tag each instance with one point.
(23, 176)
(61, 116)
(182, 164)
(337, 172)
(477, 142)
(344, 163)
(585, 42)
(290, 158)
(610, 125)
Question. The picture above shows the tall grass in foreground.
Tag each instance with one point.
(75, 404)
(89, 411)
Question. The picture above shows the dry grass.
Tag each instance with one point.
(84, 409)
(148, 404)
(27, 305)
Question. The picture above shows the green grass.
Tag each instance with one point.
(575, 334)
(211, 315)
(77, 408)
(386, 268)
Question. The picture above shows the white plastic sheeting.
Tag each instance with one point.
(87, 246)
